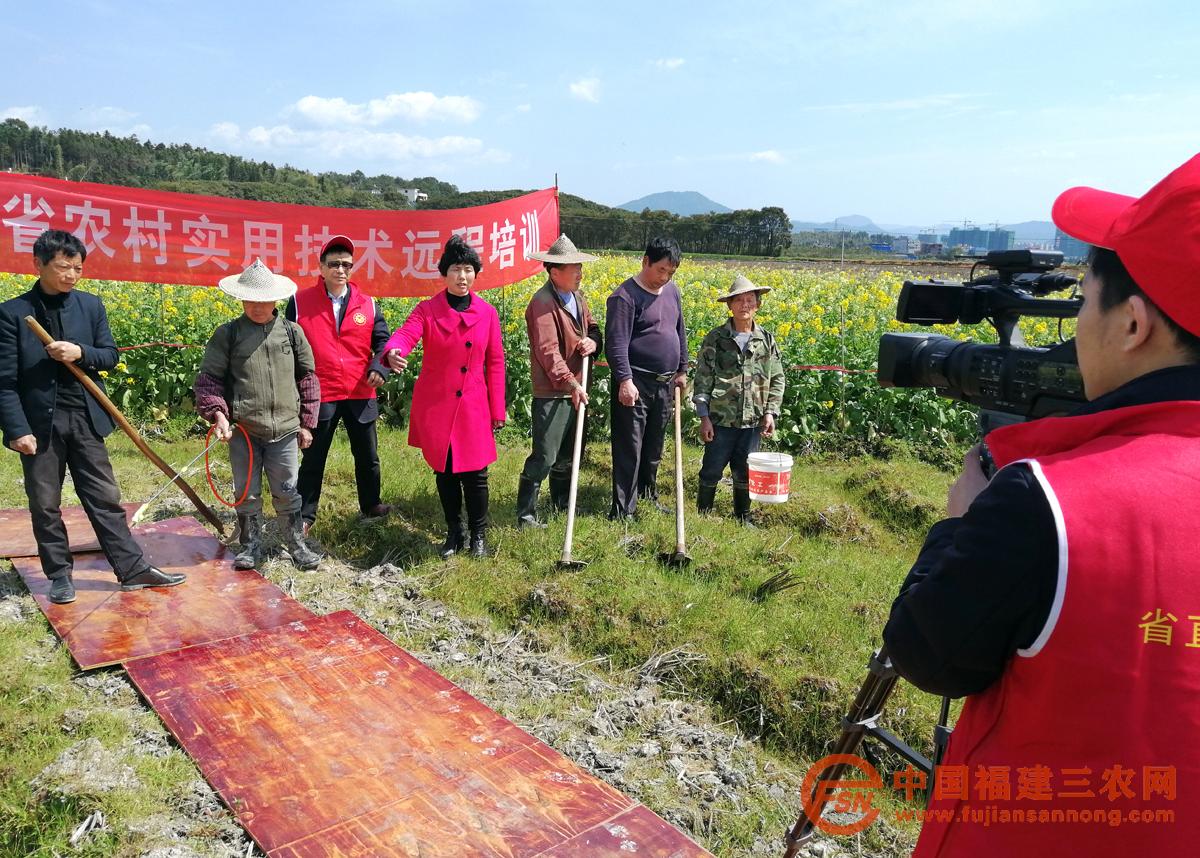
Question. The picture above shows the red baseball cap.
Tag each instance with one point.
(341, 241)
(1156, 236)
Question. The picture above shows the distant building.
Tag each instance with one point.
(928, 238)
(414, 195)
(899, 244)
(981, 240)
(1073, 250)
(932, 248)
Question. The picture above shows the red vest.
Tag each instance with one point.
(1099, 720)
(342, 356)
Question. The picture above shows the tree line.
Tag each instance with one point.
(102, 157)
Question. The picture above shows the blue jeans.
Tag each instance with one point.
(730, 447)
(280, 459)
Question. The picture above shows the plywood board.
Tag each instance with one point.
(326, 739)
(16, 530)
(106, 625)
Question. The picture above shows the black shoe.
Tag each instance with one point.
(705, 497)
(456, 538)
(478, 544)
(62, 590)
(152, 576)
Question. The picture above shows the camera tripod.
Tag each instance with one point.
(861, 722)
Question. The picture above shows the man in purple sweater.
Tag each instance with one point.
(647, 352)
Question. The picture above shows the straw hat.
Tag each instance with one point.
(563, 252)
(741, 286)
(258, 283)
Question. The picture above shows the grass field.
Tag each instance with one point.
(781, 668)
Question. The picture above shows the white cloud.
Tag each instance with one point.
(384, 145)
(669, 63)
(414, 106)
(225, 132)
(770, 156)
(28, 113)
(587, 89)
(524, 108)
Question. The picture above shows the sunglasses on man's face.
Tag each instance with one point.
(348, 264)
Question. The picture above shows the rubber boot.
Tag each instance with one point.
(705, 498)
(303, 557)
(741, 506)
(560, 492)
(527, 497)
(250, 550)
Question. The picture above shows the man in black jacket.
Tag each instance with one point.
(48, 417)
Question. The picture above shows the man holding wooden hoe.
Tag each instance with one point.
(563, 335)
(647, 350)
(48, 417)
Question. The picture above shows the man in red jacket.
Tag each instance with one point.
(347, 330)
(1063, 595)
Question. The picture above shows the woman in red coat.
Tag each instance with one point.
(458, 399)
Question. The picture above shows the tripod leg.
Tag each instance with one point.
(858, 722)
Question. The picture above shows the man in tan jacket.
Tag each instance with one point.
(562, 332)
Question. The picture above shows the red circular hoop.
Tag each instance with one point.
(208, 470)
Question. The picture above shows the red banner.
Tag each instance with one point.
(166, 237)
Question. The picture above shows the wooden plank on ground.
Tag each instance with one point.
(105, 625)
(326, 739)
(16, 531)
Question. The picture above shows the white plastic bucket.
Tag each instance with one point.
(770, 476)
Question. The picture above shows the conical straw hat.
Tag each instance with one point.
(742, 285)
(258, 283)
(563, 252)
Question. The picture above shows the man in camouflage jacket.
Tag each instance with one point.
(738, 392)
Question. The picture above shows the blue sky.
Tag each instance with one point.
(907, 112)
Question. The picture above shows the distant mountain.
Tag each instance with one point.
(855, 223)
(908, 229)
(682, 203)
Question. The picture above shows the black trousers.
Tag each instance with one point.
(74, 444)
(364, 446)
(454, 488)
(637, 442)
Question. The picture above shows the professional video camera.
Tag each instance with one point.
(1009, 381)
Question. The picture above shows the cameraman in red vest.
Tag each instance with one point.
(1062, 597)
(347, 330)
